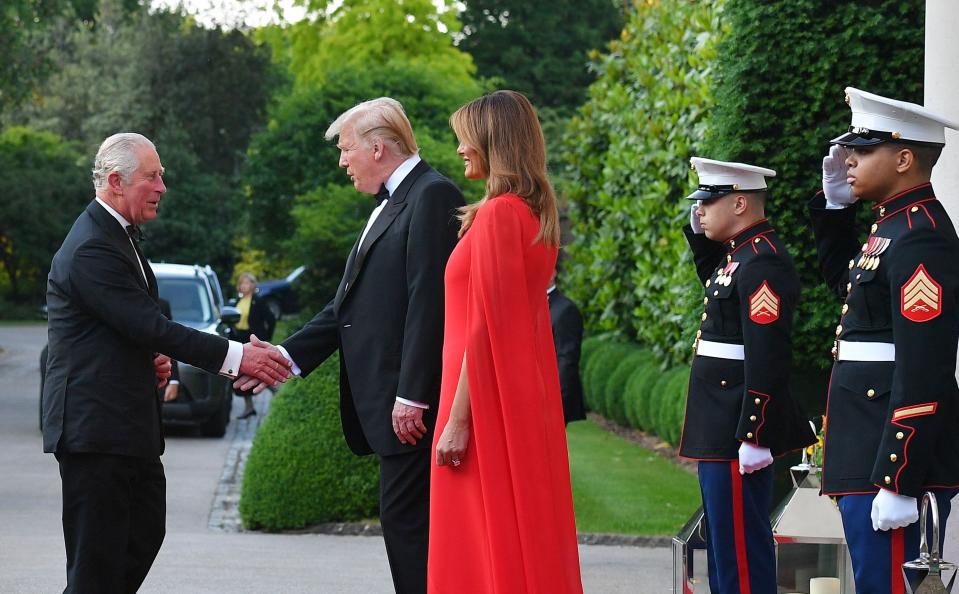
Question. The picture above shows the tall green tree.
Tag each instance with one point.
(44, 187)
(540, 47)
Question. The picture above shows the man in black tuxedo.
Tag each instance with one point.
(386, 320)
(101, 409)
(567, 324)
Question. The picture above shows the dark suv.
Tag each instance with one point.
(195, 299)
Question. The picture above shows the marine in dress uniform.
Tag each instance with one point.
(739, 413)
(891, 413)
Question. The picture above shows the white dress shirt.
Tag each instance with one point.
(234, 354)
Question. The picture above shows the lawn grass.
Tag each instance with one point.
(621, 487)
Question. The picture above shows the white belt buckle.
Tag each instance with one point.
(720, 350)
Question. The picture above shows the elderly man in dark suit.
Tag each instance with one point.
(386, 321)
(567, 322)
(101, 407)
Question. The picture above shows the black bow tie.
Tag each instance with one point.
(135, 233)
(382, 195)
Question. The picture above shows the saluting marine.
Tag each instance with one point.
(891, 413)
(739, 413)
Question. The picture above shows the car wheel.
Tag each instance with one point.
(275, 308)
(216, 425)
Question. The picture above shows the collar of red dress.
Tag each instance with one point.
(903, 200)
(760, 227)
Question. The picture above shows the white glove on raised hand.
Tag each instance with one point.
(891, 510)
(753, 458)
(694, 220)
(837, 190)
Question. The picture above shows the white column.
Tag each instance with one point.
(942, 94)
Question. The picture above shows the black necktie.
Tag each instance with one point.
(135, 233)
(382, 195)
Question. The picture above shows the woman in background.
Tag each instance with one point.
(255, 318)
(501, 508)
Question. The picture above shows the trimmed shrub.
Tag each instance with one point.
(616, 386)
(588, 349)
(784, 121)
(643, 374)
(300, 470)
(675, 408)
(599, 371)
(663, 403)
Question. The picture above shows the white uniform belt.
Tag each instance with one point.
(720, 350)
(865, 351)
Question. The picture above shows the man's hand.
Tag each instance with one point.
(408, 423)
(171, 392)
(163, 367)
(451, 447)
(694, 218)
(753, 458)
(891, 510)
(837, 190)
(264, 362)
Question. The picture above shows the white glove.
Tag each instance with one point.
(834, 169)
(891, 510)
(694, 219)
(753, 458)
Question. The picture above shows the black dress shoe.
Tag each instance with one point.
(247, 414)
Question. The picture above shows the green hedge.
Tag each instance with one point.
(616, 385)
(779, 86)
(627, 153)
(300, 471)
(599, 371)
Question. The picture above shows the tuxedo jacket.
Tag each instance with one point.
(104, 326)
(386, 318)
(567, 324)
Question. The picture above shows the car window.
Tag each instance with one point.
(188, 297)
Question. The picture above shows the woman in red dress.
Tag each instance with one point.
(501, 509)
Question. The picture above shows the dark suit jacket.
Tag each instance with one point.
(105, 324)
(567, 325)
(387, 316)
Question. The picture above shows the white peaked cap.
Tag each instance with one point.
(877, 119)
(718, 178)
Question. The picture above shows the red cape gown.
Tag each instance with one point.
(502, 522)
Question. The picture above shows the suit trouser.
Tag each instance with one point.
(114, 520)
(739, 538)
(877, 556)
(405, 517)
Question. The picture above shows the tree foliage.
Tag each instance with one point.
(540, 47)
(44, 187)
(628, 151)
(779, 108)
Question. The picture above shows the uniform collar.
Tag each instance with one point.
(760, 227)
(903, 200)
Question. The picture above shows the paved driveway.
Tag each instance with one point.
(194, 559)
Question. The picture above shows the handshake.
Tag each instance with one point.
(262, 366)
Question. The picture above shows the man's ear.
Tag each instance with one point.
(377, 149)
(741, 204)
(905, 160)
(115, 182)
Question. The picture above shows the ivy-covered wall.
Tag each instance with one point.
(781, 72)
(759, 81)
(628, 152)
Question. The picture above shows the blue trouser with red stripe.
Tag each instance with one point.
(877, 556)
(739, 539)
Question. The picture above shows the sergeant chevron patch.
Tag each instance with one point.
(764, 305)
(921, 296)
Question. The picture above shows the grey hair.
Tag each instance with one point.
(382, 118)
(118, 153)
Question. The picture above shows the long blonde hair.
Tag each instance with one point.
(503, 129)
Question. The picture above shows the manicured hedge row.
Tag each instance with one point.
(624, 383)
(300, 471)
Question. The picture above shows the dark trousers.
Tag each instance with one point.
(877, 556)
(114, 520)
(405, 517)
(739, 538)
